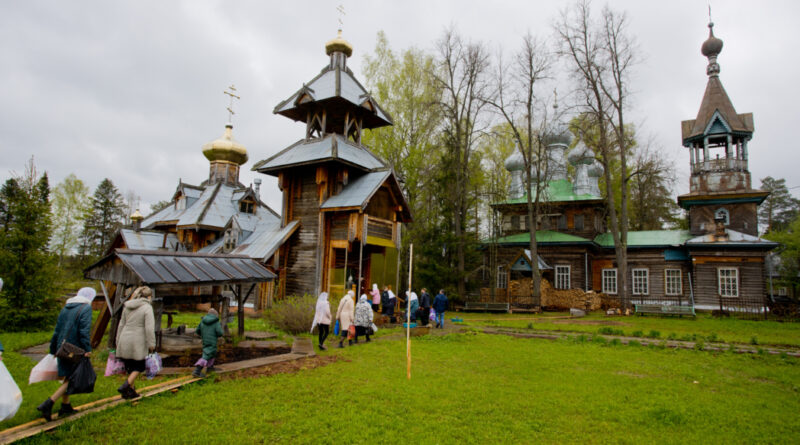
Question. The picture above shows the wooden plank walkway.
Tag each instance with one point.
(301, 348)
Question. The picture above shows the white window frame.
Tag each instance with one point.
(638, 286)
(607, 279)
(724, 213)
(502, 278)
(728, 282)
(563, 273)
(671, 290)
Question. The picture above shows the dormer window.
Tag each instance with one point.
(247, 206)
(180, 203)
(724, 215)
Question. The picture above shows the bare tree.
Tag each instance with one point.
(601, 55)
(460, 74)
(515, 99)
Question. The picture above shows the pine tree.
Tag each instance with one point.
(27, 301)
(102, 221)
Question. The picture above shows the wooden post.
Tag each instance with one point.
(119, 295)
(224, 314)
(101, 324)
(158, 312)
(408, 312)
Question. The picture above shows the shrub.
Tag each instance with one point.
(634, 343)
(653, 334)
(294, 314)
(712, 337)
(637, 334)
(530, 325)
(672, 336)
(754, 340)
(615, 342)
(699, 345)
(599, 340)
(605, 330)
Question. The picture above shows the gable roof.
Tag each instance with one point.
(331, 147)
(715, 100)
(357, 193)
(733, 238)
(338, 87)
(148, 240)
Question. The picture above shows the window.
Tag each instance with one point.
(578, 220)
(562, 222)
(515, 222)
(640, 281)
(672, 282)
(610, 281)
(728, 279)
(502, 278)
(247, 206)
(723, 213)
(562, 277)
(782, 291)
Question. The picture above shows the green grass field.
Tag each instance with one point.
(474, 388)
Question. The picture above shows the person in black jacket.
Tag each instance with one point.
(425, 307)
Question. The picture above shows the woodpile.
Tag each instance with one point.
(564, 299)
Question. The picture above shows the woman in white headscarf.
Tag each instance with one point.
(364, 316)
(345, 316)
(413, 304)
(322, 319)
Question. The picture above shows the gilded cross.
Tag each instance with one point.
(231, 91)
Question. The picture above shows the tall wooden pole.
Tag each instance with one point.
(408, 312)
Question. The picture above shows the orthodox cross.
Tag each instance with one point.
(340, 8)
(231, 92)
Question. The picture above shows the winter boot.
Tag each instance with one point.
(66, 409)
(198, 372)
(340, 344)
(349, 342)
(46, 409)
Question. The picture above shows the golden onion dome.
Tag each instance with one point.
(137, 216)
(339, 44)
(225, 148)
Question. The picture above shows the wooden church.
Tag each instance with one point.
(346, 200)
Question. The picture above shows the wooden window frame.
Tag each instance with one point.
(634, 289)
(502, 278)
(667, 281)
(559, 276)
(734, 288)
(606, 289)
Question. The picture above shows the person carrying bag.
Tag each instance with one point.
(72, 328)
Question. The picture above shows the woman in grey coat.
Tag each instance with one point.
(135, 337)
(73, 326)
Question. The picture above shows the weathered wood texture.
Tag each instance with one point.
(743, 218)
(301, 265)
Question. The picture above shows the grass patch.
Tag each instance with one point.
(489, 388)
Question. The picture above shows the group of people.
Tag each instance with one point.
(135, 338)
(420, 307)
(357, 319)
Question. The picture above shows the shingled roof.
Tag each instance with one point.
(715, 100)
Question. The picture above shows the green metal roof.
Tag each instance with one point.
(542, 236)
(645, 238)
(559, 190)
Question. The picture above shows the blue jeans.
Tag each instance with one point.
(440, 319)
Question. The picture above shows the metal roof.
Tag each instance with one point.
(358, 192)
(329, 148)
(261, 244)
(148, 240)
(330, 85)
(734, 238)
(542, 264)
(189, 268)
(647, 238)
(542, 236)
(559, 190)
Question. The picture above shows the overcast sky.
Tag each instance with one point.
(131, 90)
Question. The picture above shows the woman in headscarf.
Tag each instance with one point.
(376, 298)
(345, 316)
(135, 337)
(413, 304)
(73, 326)
(322, 319)
(364, 317)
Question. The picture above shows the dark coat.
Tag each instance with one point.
(425, 300)
(74, 325)
(440, 303)
(209, 330)
(384, 301)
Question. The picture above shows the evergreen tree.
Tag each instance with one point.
(27, 301)
(780, 208)
(102, 221)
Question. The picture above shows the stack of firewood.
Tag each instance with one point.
(564, 299)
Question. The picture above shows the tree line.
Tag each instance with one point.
(48, 237)
(461, 109)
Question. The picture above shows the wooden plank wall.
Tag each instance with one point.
(301, 265)
(751, 282)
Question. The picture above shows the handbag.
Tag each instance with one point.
(68, 351)
(336, 328)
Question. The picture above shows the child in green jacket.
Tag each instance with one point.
(209, 330)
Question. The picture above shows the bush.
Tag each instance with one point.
(637, 334)
(605, 330)
(654, 334)
(293, 314)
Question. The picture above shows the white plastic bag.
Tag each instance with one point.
(152, 364)
(10, 395)
(46, 369)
